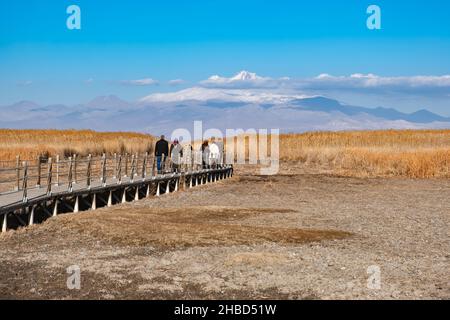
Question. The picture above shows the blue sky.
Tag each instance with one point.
(120, 41)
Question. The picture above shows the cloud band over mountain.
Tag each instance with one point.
(357, 82)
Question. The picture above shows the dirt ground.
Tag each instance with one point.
(296, 235)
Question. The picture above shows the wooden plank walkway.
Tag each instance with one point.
(16, 197)
(16, 211)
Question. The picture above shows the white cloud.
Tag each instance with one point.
(176, 82)
(357, 82)
(89, 81)
(140, 82)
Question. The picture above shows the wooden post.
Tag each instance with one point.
(88, 172)
(57, 170)
(75, 168)
(38, 182)
(126, 165)
(133, 166)
(115, 165)
(136, 164)
(69, 175)
(25, 182)
(153, 166)
(49, 176)
(104, 170)
(18, 172)
(144, 165)
(119, 173)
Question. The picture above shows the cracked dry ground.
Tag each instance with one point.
(294, 236)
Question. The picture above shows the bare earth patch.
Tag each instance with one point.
(295, 235)
(169, 228)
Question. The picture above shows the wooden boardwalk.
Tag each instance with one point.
(33, 205)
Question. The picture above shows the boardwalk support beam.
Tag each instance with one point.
(38, 205)
(94, 202)
(31, 220)
(5, 222)
(76, 205)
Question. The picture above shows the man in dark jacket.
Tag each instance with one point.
(161, 151)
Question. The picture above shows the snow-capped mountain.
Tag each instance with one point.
(257, 96)
(245, 76)
(244, 79)
(219, 108)
(240, 76)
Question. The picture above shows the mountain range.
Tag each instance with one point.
(219, 108)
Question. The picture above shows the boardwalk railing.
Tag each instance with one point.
(31, 189)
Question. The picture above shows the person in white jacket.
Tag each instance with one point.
(214, 153)
(176, 153)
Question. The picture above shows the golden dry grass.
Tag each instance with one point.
(410, 153)
(384, 153)
(407, 153)
(31, 143)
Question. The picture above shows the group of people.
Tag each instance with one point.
(212, 153)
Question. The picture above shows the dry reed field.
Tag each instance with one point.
(383, 153)
(408, 153)
(29, 144)
(403, 153)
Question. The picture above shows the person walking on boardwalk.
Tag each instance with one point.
(205, 154)
(214, 153)
(176, 152)
(161, 152)
(221, 150)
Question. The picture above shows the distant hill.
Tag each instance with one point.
(217, 108)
